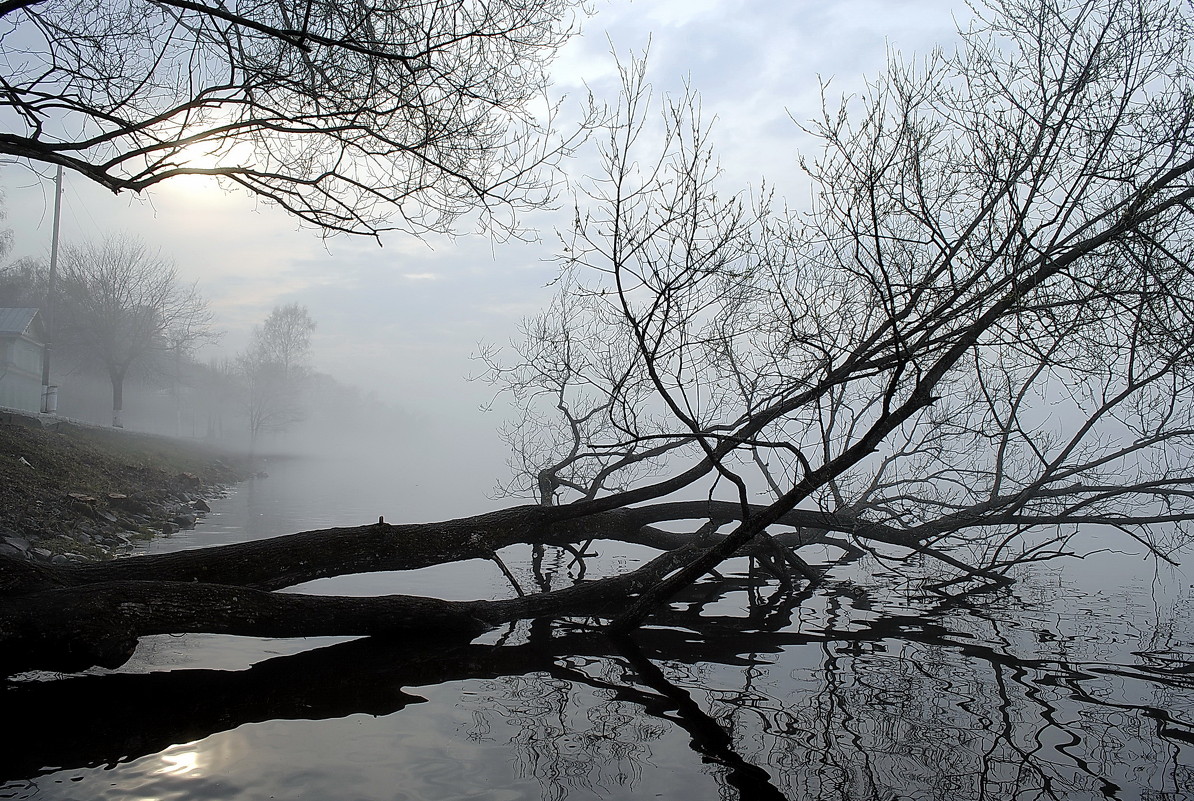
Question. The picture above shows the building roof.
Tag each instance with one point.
(18, 322)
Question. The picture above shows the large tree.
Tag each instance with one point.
(973, 342)
(354, 116)
(120, 303)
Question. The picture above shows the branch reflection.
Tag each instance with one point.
(822, 696)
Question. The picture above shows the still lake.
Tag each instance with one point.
(1076, 683)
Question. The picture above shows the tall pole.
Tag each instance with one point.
(49, 404)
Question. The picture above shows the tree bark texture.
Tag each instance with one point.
(70, 617)
(73, 616)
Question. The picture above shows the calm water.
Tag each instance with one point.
(1078, 683)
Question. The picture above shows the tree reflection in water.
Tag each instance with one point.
(848, 692)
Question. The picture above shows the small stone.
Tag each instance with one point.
(128, 504)
(82, 508)
(20, 543)
(8, 550)
(184, 520)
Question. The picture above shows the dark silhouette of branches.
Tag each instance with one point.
(354, 117)
(973, 340)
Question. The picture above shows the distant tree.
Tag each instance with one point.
(5, 232)
(23, 284)
(285, 337)
(121, 303)
(274, 369)
(353, 116)
(216, 390)
(181, 338)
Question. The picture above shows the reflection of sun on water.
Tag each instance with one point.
(182, 761)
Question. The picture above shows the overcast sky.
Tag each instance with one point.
(404, 319)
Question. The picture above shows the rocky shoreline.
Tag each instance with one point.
(71, 493)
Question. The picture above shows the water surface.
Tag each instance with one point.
(1076, 683)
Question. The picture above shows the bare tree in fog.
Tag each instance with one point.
(6, 236)
(182, 338)
(979, 332)
(23, 283)
(120, 303)
(356, 117)
(285, 337)
(274, 370)
(975, 340)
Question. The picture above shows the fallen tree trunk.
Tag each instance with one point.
(70, 617)
(281, 562)
(73, 628)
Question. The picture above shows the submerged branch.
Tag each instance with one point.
(73, 628)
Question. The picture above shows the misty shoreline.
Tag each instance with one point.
(70, 492)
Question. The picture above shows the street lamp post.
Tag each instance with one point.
(49, 394)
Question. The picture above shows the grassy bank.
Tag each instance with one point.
(82, 492)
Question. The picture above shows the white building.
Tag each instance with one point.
(22, 347)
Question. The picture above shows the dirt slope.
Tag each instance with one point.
(84, 491)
